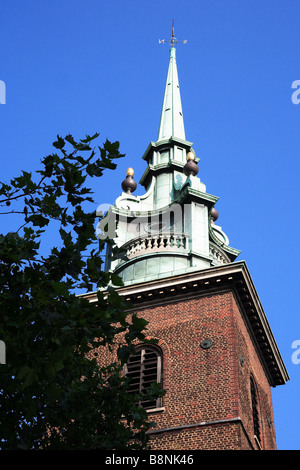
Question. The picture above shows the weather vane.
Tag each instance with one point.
(173, 40)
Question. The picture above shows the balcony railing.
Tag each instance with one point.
(217, 254)
(177, 242)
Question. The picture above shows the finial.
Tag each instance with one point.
(190, 156)
(173, 40)
(129, 185)
(214, 215)
(173, 35)
(191, 167)
(130, 171)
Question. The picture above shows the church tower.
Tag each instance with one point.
(216, 356)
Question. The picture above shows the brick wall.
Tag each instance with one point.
(207, 385)
(251, 366)
(223, 436)
(208, 402)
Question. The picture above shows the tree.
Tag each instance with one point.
(52, 395)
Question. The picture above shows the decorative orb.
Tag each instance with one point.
(191, 168)
(214, 214)
(129, 185)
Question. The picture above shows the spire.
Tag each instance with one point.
(170, 229)
(171, 120)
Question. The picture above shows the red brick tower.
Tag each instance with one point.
(216, 356)
(217, 360)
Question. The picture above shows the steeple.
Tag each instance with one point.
(171, 121)
(179, 274)
(170, 229)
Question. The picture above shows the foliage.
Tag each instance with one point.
(48, 382)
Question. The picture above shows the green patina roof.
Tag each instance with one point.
(155, 245)
(171, 121)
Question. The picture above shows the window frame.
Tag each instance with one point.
(143, 349)
(255, 412)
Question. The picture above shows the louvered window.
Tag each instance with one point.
(143, 368)
(255, 410)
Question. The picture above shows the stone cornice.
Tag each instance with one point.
(152, 170)
(161, 143)
(190, 194)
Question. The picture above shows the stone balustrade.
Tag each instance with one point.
(217, 254)
(156, 243)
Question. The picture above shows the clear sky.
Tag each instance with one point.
(74, 66)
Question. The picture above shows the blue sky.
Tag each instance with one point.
(84, 66)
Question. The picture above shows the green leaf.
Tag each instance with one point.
(138, 322)
(116, 280)
(59, 143)
(114, 299)
(38, 220)
(89, 139)
(25, 370)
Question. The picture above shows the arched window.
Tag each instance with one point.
(255, 414)
(143, 368)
